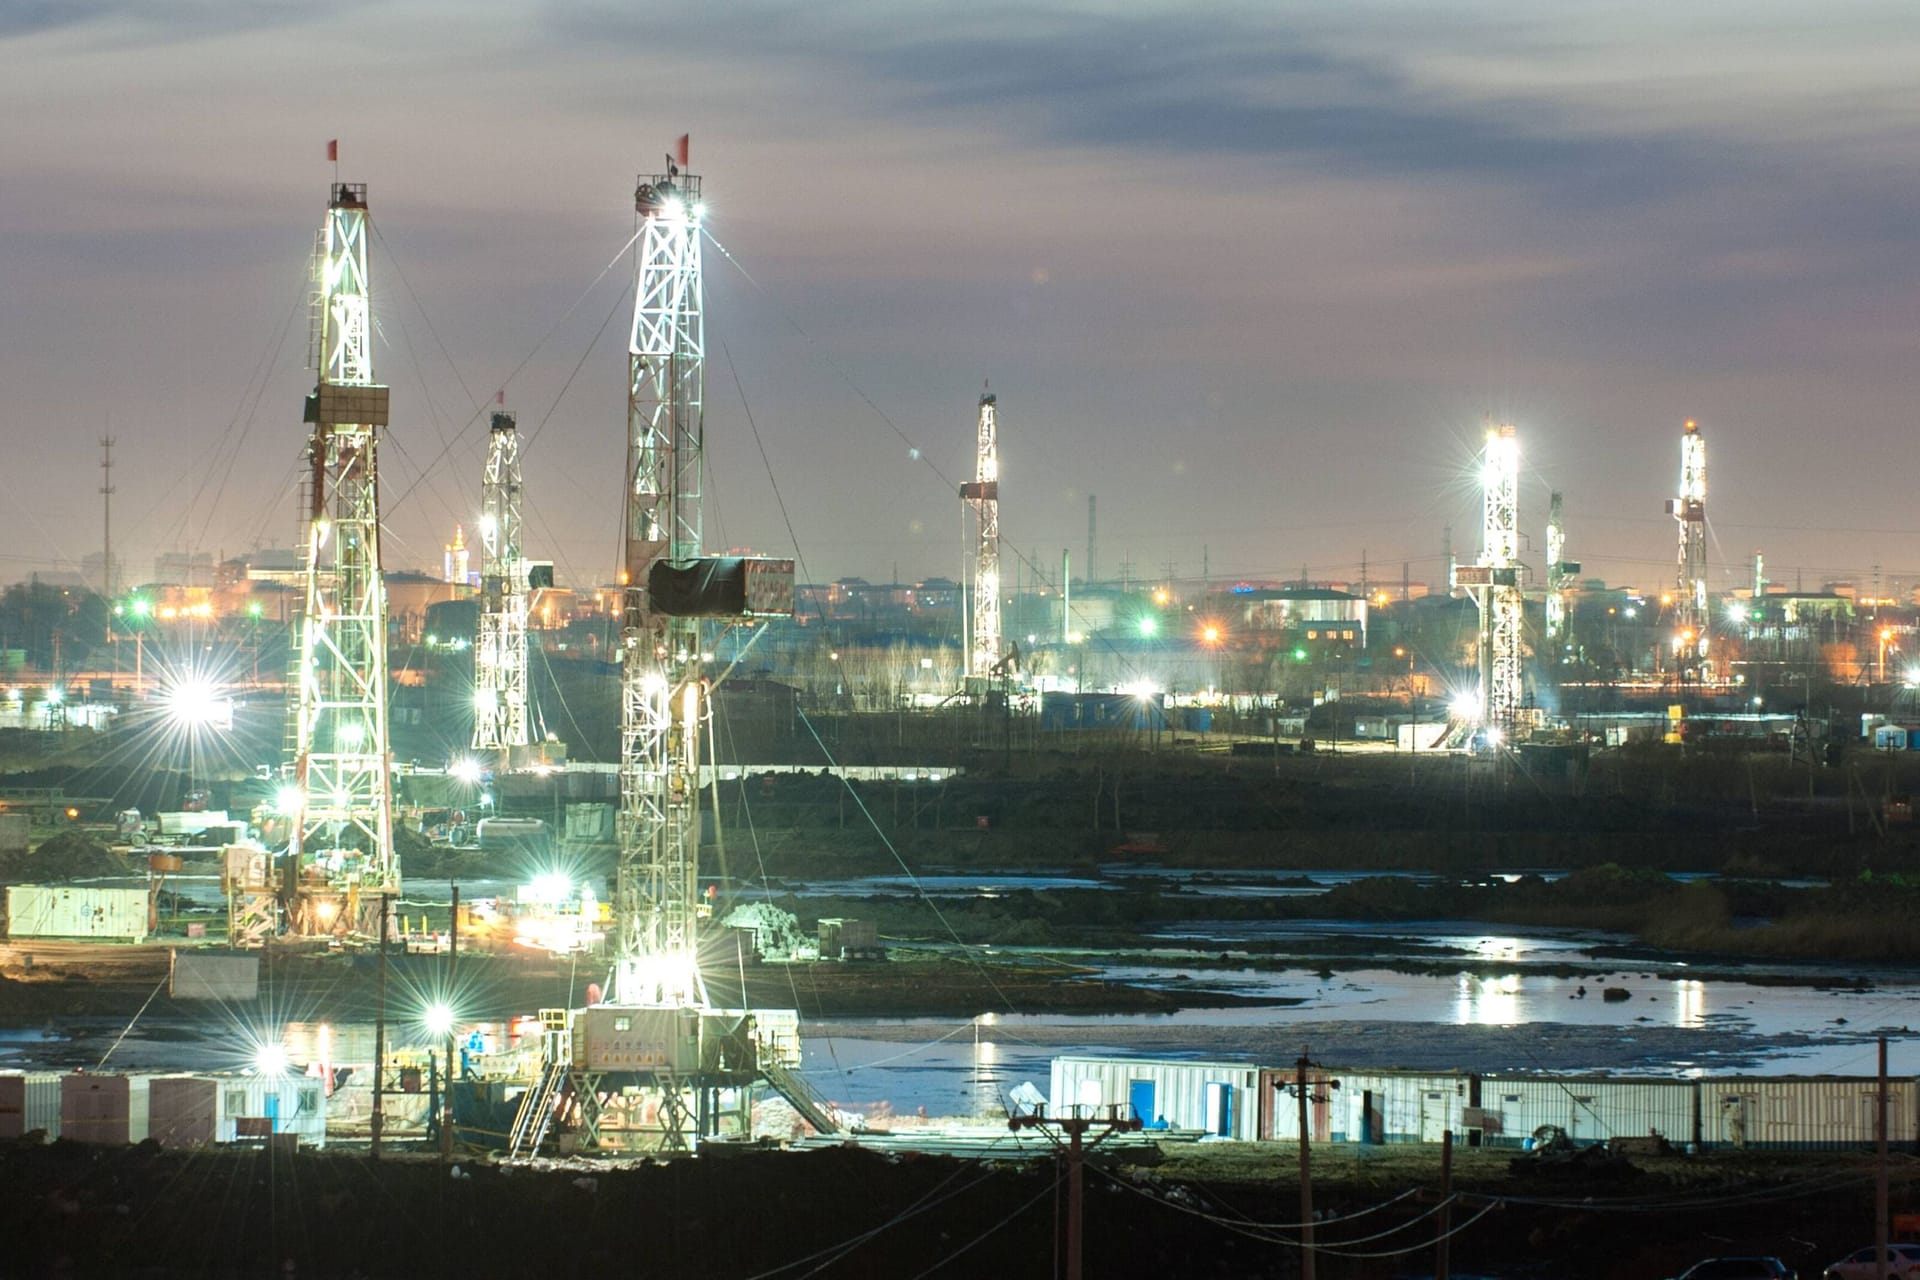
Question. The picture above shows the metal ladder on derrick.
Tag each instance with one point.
(539, 1104)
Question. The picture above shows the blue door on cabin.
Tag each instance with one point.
(273, 1112)
(1140, 1098)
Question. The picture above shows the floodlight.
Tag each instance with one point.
(439, 1019)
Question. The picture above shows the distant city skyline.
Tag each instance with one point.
(1255, 276)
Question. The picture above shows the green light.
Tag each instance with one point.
(142, 607)
(1299, 655)
(1146, 626)
(253, 608)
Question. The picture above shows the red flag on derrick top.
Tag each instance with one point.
(333, 150)
(680, 149)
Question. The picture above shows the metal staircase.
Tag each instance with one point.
(538, 1105)
(813, 1108)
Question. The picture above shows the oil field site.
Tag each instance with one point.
(962, 683)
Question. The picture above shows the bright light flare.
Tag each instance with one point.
(270, 1060)
(438, 1018)
(466, 769)
(195, 703)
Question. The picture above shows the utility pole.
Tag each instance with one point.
(378, 1123)
(1092, 507)
(1441, 1261)
(1303, 1095)
(453, 963)
(1075, 1128)
(1880, 1166)
(106, 516)
(1306, 1171)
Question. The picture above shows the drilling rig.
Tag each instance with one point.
(500, 653)
(1494, 583)
(1689, 638)
(655, 1065)
(340, 864)
(1561, 574)
(983, 495)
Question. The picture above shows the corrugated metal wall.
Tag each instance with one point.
(1213, 1097)
(1379, 1107)
(1374, 1106)
(250, 1107)
(29, 1100)
(1815, 1112)
(106, 1109)
(1590, 1109)
(65, 911)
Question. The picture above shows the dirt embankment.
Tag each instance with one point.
(66, 1209)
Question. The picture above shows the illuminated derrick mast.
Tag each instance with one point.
(1561, 572)
(1689, 640)
(1495, 585)
(500, 649)
(983, 495)
(661, 690)
(340, 852)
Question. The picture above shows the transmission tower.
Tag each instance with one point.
(341, 851)
(500, 654)
(1689, 642)
(983, 495)
(1494, 582)
(661, 690)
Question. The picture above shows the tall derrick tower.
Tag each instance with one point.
(983, 495)
(1494, 582)
(1561, 572)
(340, 853)
(661, 689)
(500, 652)
(1689, 641)
(654, 1064)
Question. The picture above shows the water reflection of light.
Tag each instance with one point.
(1498, 948)
(1689, 1003)
(1488, 1002)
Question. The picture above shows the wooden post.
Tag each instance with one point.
(378, 1123)
(1075, 1127)
(1880, 1166)
(446, 1097)
(1441, 1261)
(1306, 1171)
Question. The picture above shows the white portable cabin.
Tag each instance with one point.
(1217, 1098)
(1377, 1107)
(1806, 1112)
(180, 1111)
(76, 911)
(110, 1110)
(29, 1100)
(1588, 1109)
(253, 1107)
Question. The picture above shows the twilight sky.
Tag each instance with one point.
(1254, 274)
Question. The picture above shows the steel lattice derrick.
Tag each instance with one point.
(1690, 621)
(662, 695)
(983, 495)
(1495, 584)
(500, 703)
(341, 845)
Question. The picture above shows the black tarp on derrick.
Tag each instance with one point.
(722, 587)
